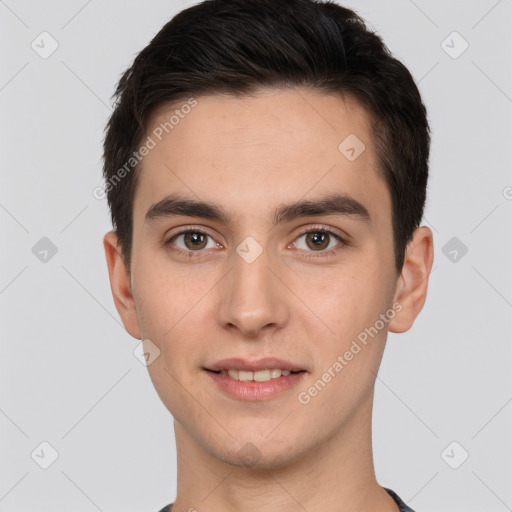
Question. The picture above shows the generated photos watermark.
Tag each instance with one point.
(150, 143)
(356, 347)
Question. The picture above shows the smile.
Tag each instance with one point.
(258, 376)
(253, 386)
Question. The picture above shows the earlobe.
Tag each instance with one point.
(411, 290)
(120, 284)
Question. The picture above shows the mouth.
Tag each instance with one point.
(257, 376)
(255, 380)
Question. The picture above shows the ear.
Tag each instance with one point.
(411, 290)
(120, 284)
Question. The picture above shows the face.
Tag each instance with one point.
(252, 282)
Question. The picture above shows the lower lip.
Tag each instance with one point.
(252, 390)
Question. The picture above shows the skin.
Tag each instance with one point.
(251, 154)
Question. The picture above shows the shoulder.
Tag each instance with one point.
(401, 505)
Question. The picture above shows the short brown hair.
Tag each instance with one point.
(238, 46)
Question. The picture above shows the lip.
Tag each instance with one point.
(252, 390)
(267, 363)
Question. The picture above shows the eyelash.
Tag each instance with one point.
(308, 254)
(322, 254)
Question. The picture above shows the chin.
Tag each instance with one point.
(258, 453)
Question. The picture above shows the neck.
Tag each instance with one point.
(337, 475)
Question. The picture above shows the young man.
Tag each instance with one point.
(266, 168)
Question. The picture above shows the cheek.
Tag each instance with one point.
(163, 295)
(172, 307)
(349, 356)
(347, 299)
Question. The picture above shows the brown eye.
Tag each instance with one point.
(323, 242)
(194, 240)
(191, 241)
(317, 239)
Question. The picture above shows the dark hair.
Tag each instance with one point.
(239, 46)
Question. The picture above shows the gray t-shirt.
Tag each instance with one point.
(402, 507)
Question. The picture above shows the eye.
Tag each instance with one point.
(320, 240)
(190, 241)
(317, 239)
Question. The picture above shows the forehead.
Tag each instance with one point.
(251, 151)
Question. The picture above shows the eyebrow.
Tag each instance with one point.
(333, 204)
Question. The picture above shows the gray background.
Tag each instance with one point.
(67, 369)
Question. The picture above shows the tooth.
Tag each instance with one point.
(245, 376)
(233, 374)
(262, 375)
(258, 376)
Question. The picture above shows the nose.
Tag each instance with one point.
(252, 299)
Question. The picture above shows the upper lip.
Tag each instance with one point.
(269, 363)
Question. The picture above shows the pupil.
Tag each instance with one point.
(195, 239)
(318, 239)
